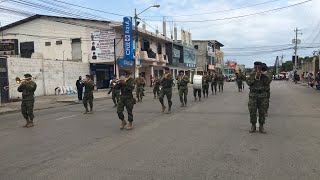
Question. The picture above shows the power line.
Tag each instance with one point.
(226, 10)
(241, 16)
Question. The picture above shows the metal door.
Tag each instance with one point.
(4, 79)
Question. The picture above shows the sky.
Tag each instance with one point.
(247, 38)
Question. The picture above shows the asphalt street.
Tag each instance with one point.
(206, 140)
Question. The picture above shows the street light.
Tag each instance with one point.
(136, 31)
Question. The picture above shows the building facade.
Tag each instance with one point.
(209, 55)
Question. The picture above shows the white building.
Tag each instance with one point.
(56, 50)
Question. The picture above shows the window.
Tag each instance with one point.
(76, 49)
(196, 46)
(58, 42)
(47, 43)
(159, 48)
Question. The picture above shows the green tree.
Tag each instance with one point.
(287, 66)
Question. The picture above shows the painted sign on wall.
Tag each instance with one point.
(102, 46)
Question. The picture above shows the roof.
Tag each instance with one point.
(210, 41)
(37, 16)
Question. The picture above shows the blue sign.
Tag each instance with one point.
(127, 38)
(125, 62)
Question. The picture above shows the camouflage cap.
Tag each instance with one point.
(127, 71)
(257, 63)
(181, 71)
(166, 68)
(27, 75)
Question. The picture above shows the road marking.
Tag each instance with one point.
(65, 117)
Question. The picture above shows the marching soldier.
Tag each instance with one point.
(264, 69)
(126, 86)
(214, 82)
(27, 87)
(205, 84)
(239, 79)
(156, 87)
(258, 84)
(140, 82)
(88, 93)
(115, 91)
(221, 79)
(183, 88)
(166, 90)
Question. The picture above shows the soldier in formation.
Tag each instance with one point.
(205, 84)
(264, 70)
(126, 86)
(239, 79)
(27, 87)
(156, 87)
(221, 79)
(214, 82)
(166, 82)
(88, 94)
(115, 91)
(182, 82)
(258, 84)
(140, 82)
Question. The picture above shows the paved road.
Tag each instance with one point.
(206, 140)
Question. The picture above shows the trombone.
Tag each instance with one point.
(18, 82)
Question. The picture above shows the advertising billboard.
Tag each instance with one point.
(102, 46)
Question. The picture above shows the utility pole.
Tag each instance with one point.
(296, 42)
(135, 43)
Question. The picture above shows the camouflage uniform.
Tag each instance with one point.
(183, 89)
(214, 83)
(88, 95)
(156, 88)
(115, 92)
(126, 99)
(27, 89)
(268, 92)
(166, 90)
(140, 82)
(240, 79)
(258, 97)
(221, 82)
(205, 85)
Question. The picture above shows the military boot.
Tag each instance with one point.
(31, 123)
(123, 124)
(181, 105)
(27, 124)
(185, 103)
(163, 108)
(169, 110)
(253, 128)
(129, 126)
(195, 99)
(87, 111)
(261, 129)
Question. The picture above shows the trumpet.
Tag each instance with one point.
(18, 82)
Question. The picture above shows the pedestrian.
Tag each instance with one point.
(126, 86)
(205, 84)
(214, 82)
(79, 88)
(88, 94)
(239, 79)
(221, 79)
(166, 89)
(27, 87)
(151, 80)
(258, 84)
(140, 82)
(115, 91)
(156, 87)
(182, 82)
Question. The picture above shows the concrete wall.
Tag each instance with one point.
(201, 54)
(49, 74)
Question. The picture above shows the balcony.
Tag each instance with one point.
(163, 58)
(151, 57)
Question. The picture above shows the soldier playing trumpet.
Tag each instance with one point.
(166, 90)
(183, 88)
(27, 87)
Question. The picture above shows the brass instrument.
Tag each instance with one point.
(165, 76)
(18, 82)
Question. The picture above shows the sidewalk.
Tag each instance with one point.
(46, 102)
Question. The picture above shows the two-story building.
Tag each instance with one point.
(209, 55)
